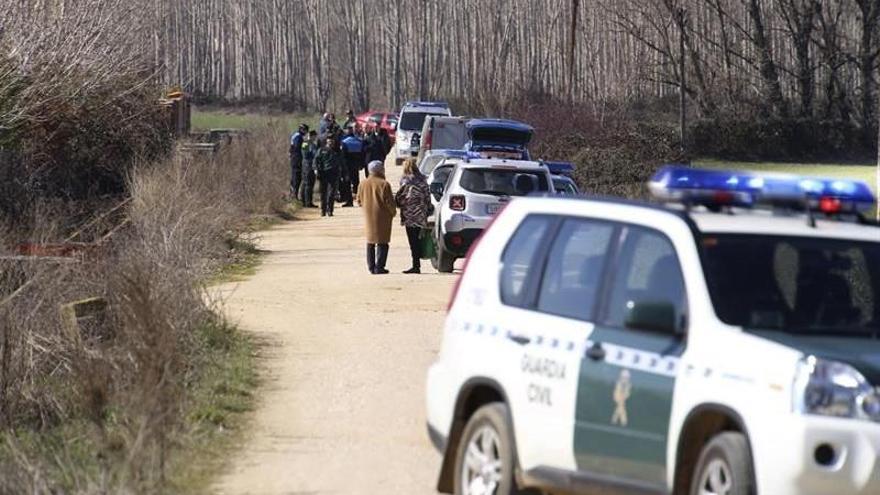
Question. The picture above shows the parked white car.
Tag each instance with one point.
(473, 193)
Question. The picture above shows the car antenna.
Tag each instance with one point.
(811, 219)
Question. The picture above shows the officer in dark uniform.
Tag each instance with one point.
(329, 164)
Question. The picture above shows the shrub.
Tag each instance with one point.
(115, 393)
(613, 153)
(781, 140)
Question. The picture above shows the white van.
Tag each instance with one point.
(412, 118)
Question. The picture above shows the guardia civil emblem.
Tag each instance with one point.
(622, 391)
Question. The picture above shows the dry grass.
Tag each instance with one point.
(106, 409)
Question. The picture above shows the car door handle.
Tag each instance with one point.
(596, 352)
(519, 339)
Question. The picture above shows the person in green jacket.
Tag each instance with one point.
(329, 164)
(309, 150)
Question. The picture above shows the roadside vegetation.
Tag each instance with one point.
(138, 397)
(247, 117)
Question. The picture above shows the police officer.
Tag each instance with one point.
(296, 159)
(329, 164)
(309, 151)
(353, 148)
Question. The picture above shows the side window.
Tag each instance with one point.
(648, 271)
(574, 269)
(376, 118)
(520, 257)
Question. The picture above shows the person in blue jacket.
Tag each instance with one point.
(353, 149)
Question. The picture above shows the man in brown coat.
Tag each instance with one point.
(375, 197)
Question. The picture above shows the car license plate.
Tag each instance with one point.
(493, 208)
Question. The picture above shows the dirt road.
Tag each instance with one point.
(342, 409)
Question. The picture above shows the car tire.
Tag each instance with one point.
(486, 442)
(724, 467)
(443, 261)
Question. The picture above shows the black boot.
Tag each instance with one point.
(382, 258)
(371, 258)
(416, 266)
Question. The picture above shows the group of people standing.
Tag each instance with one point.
(335, 156)
(380, 207)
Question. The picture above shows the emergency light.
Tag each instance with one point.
(719, 188)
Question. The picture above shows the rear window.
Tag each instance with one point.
(413, 121)
(501, 136)
(503, 182)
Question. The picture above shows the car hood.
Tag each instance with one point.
(862, 353)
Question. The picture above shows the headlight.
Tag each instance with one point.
(830, 388)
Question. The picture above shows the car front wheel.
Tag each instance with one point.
(486, 455)
(724, 467)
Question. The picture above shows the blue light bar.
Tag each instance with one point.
(716, 188)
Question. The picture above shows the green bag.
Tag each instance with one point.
(429, 250)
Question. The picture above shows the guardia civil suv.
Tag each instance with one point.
(724, 341)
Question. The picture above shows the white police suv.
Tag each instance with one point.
(728, 344)
(475, 190)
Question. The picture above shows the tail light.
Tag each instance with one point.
(467, 258)
(428, 139)
(457, 202)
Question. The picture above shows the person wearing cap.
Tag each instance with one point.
(353, 149)
(377, 201)
(350, 121)
(296, 159)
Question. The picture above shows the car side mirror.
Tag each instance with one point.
(652, 316)
(437, 190)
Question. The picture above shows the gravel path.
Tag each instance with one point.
(342, 408)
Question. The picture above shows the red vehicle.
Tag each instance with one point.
(376, 119)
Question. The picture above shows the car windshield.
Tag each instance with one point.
(429, 163)
(563, 186)
(794, 284)
(503, 182)
(413, 121)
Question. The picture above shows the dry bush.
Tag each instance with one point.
(615, 153)
(126, 381)
(78, 99)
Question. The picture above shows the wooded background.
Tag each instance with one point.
(808, 58)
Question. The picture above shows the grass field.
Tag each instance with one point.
(212, 118)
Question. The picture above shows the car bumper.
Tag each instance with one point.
(460, 242)
(787, 457)
(440, 402)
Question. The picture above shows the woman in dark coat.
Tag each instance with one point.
(414, 200)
